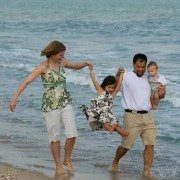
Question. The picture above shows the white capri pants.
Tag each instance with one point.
(62, 117)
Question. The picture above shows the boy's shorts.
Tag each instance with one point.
(139, 125)
(57, 118)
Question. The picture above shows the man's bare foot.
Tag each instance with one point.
(113, 167)
(147, 172)
(69, 167)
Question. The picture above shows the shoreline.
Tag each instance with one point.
(11, 172)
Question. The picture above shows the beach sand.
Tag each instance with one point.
(8, 172)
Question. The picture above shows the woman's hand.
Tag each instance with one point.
(12, 105)
(91, 66)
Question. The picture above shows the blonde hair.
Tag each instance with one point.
(152, 63)
(53, 48)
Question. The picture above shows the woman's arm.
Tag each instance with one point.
(34, 74)
(75, 66)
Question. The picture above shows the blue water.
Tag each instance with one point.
(108, 33)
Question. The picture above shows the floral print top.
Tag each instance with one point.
(55, 93)
(101, 108)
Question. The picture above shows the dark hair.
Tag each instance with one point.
(109, 80)
(152, 63)
(139, 57)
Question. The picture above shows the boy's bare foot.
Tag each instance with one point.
(69, 167)
(113, 167)
(124, 134)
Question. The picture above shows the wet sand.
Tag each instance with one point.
(8, 172)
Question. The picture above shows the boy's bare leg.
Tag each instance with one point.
(107, 127)
(121, 131)
(113, 128)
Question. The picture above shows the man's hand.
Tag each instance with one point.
(162, 92)
(120, 70)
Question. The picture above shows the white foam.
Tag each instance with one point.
(173, 94)
(176, 102)
(77, 77)
(18, 53)
(21, 66)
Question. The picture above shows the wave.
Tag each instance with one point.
(102, 68)
(169, 139)
(82, 78)
(77, 78)
(20, 66)
(173, 94)
(20, 53)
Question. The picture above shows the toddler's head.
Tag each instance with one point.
(109, 84)
(152, 68)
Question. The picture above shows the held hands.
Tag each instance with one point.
(90, 65)
(120, 71)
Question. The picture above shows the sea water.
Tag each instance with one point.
(108, 33)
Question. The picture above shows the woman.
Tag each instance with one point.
(56, 101)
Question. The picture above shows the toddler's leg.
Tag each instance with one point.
(156, 100)
(152, 100)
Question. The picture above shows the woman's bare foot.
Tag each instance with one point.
(69, 167)
(60, 171)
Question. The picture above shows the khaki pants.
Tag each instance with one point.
(139, 125)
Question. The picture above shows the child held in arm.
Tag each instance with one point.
(156, 81)
(100, 114)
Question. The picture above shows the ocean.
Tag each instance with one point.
(108, 33)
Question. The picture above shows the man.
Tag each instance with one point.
(138, 120)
